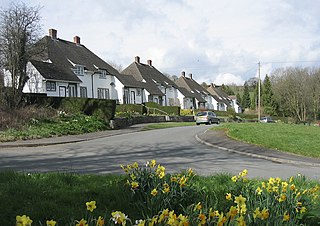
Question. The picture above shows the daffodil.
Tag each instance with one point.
(197, 207)
(134, 184)
(51, 223)
(91, 205)
(140, 223)
(202, 219)
(135, 165)
(82, 222)
(234, 178)
(241, 221)
(23, 221)
(256, 213)
(286, 217)
(183, 181)
(228, 196)
(154, 192)
(264, 214)
(119, 218)
(153, 163)
(259, 191)
(282, 198)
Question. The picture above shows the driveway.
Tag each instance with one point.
(175, 148)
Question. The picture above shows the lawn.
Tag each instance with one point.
(146, 191)
(164, 125)
(297, 139)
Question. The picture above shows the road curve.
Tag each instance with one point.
(175, 148)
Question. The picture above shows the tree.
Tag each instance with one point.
(268, 101)
(204, 85)
(19, 32)
(227, 90)
(246, 97)
(239, 100)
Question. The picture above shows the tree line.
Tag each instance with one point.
(289, 92)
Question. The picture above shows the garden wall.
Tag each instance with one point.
(118, 123)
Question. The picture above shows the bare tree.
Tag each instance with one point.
(19, 31)
(116, 66)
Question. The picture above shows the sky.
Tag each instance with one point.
(218, 41)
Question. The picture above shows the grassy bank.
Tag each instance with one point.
(166, 125)
(146, 191)
(297, 139)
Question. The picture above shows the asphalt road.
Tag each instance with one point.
(175, 148)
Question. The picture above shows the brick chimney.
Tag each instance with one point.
(137, 59)
(76, 39)
(149, 62)
(183, 74)
(190, 75)
(53, 33)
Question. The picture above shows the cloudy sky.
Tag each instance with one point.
(218, 41)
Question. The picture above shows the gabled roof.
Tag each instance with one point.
(62, 56)
(130, 81)
(52, 72)
(219, 95)
(150, 75)
(192, 86)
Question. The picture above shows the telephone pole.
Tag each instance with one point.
(259, 99)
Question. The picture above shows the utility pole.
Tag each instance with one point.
(259, 99)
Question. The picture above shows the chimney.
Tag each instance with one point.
(53, 33)
(190, 75)
(76, 39)
(149, 62)
(137, 59)
(183, 74)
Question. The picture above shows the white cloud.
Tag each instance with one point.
(208, 38)
(228, 79)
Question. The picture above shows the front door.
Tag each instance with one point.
(72, 91)
(132, 97)
(62, 91)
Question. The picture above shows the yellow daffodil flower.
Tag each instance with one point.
(82, 222)
(154, 192)
(51, 223)
(23, 221)
(119, 217)
(134, 184)
(100, 221)
(228, 196)
(91, 205)
(286, 217)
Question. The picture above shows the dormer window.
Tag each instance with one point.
(103, 74)
(79, 70)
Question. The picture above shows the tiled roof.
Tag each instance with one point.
(130, 81)
(52, 72)
(193, 87)
(150, 75)
(215, 91)
(64, 55)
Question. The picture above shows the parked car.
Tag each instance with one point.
(266, 120)
(206, 117)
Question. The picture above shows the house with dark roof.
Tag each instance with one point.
(222, 101)
(158, 87)
(69, 69)
(130, 90)
(201, 97)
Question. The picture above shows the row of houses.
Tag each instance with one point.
(69, 69)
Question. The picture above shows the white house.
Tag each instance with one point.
(69, 69)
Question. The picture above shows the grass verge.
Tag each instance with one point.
(297, 139)
(63, 196)
(167, 125)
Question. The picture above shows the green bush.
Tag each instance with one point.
(170, 110)
(132, 108)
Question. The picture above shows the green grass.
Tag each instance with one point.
(164, 125)
(66, 125)
(297, 139)
(62, 196)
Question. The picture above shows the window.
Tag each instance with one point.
(50, 86)
(79, 70)
(138, 92)
(103, 74)
(83, 92)
(103, 93)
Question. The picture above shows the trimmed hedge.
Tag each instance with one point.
(170, 110)
(131, 108)
(99, 107)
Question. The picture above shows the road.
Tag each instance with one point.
(175, 148)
